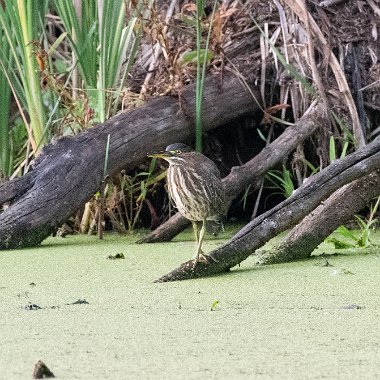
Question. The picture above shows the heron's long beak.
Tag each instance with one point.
(163, 154)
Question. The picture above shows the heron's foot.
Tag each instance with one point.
(201, 258)
(205, 259)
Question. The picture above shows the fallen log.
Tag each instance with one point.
(324, 220)
(70, 170)
(290, 212)
(252, 171)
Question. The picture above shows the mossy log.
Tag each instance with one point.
(70, 170)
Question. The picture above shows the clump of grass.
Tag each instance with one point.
(21, 27)
(343, 238)
(105, 48)
(282, 181)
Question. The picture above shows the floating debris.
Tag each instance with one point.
(324, 263)
(32, 306)
(214, 305)
(41, 371)
(79, 302)
(352, 307)
(116, 256)
(337, 272)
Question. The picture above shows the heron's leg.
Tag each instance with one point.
(199, 255)
(197, 228)
(196, 231)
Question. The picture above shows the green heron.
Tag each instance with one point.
(197, 190)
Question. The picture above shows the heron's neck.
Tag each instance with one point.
(176, 161)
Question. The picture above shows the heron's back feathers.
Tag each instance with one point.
(195, 186)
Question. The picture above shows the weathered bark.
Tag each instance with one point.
(289, 212)
(251, 172)
(16, 188)
(325, 219)
(69, 171)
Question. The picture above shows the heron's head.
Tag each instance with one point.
(174, 153)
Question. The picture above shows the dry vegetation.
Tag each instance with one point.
(294, 52)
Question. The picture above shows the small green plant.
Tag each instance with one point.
(282, 181)
(343, 238)
(125, 198)
(244, 198)
(333, 148)
(313, 169)
(347, 139)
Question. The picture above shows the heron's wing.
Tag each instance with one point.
(214, 192)
(209, 174)
(216, 196)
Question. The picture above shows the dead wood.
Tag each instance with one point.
(70, 170)
(251, 172)
(288, 213)
(325, 219)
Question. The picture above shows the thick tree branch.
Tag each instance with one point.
(12, 189)
(68, 172)
(292, 210)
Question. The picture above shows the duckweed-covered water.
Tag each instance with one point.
(88, 317)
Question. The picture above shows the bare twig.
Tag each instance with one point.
(329, 3)
(316, 77)
(375, 8)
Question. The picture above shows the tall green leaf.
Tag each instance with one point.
(102, 40)
(20, 22)
(5, 139)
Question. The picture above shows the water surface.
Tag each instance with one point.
(301, 320)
